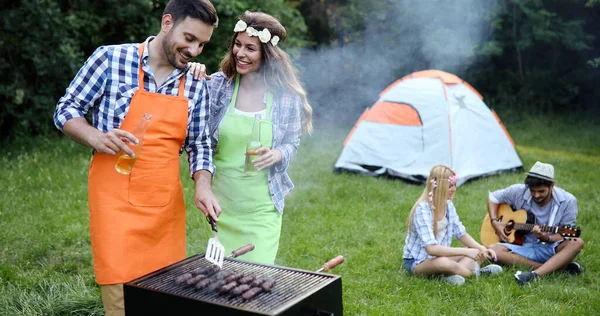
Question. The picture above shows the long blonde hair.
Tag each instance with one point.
(276, 67)
(440, 174)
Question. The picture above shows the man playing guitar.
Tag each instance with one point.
(544, 252)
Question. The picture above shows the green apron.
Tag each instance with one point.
(249, 215)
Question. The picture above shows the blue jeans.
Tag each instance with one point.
(408, 265)
(537, 252)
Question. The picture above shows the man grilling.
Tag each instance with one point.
(137, 221)
(544, 252)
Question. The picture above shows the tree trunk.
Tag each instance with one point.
(516, 43)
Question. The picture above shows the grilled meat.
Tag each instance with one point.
(251, 293)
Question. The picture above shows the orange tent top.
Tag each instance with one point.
(388, 113)
(446, 78)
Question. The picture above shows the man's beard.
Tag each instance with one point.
(543, 200)
(172, 56)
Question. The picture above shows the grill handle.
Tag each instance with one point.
(331, 264)
(242, 250)
(212, 223)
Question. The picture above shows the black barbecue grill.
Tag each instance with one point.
(296, 292)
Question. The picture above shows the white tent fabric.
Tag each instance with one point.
(458, 130)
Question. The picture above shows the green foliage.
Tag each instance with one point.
(341, 21)
(537, 55)
(43, 45)
(540, 57)
(592, 3)
(46, 262)
(229, 12)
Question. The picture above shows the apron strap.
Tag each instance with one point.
(236, 87)
(141, 71)
(141, 74)
(269, 103)
(181, 86)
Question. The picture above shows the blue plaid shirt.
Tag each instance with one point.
(106, 83)
(563, 206)
(287, 129)
(422, 235)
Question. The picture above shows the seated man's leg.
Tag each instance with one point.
(510, 254)
(566, 251)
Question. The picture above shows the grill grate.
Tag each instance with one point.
(291, 285)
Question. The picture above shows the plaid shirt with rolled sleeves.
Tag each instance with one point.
(106, 83)
(422, 235)
(287, 129)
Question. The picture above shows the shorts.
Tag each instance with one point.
(539, 252)
(408, 265)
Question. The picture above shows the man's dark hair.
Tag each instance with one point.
(532, 182)
(202, 10)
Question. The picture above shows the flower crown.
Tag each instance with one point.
(452, 180)
(264, 35)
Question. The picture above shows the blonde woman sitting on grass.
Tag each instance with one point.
(432, 223)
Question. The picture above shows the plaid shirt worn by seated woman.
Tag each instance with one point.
(422, 232)
(106, 84)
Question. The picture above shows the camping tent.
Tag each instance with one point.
(426, 118)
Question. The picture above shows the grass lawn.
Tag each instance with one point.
(45, 256)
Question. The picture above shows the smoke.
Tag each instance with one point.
(408, 36)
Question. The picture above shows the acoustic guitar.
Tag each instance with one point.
(517, 225)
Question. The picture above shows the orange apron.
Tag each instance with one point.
(137, 221)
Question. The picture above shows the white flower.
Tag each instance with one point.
(264, 35)
(275, 40)
(251, 31)
(240, 26)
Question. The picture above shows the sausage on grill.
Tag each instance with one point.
(227, 287)
(193, 280)
(251, 293)
(234, 277)
(246, 279)
(212, 269)
(180, 279)
(239, 289)
(258, 281)
(222, 275)
(215, 285)
(204, 283)
(268, 285)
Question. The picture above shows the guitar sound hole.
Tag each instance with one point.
(509, 227)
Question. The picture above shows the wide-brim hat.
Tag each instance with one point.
(542, 170)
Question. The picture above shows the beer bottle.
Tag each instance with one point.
(125, 162)
(252, 146)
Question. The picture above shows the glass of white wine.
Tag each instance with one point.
(125, 162)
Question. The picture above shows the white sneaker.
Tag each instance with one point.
(491, 269)
(454, 279)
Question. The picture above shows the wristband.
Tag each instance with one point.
(494, 220)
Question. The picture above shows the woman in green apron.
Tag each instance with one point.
(256, 78)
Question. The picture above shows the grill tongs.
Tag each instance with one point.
(215, 251)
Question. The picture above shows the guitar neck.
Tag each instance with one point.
(543, 228)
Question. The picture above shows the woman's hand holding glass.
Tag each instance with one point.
(268, 157)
